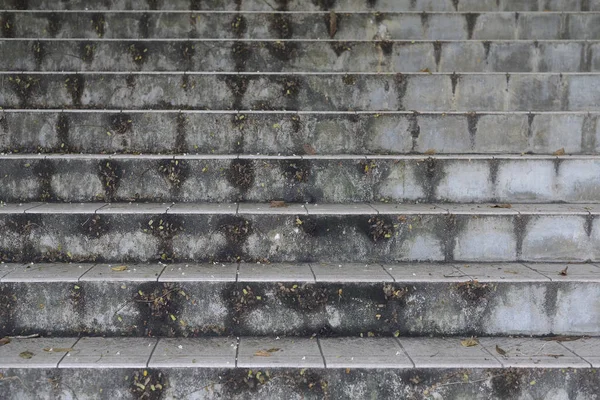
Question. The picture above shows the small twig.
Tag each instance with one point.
(33, 335)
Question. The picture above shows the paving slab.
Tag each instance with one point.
(340, 209)
(364, 353)
(481, 209)
(564, 272)
(447, 353)
(203, 208)
(194, 353)
(389, 208)
(96, 352)
(282, 353)
(425, 272)
(586, 348)
(134, 208)
(6, 268)
(206, 272)
(35, 352)
(275, 273)
(531, 353)
(508, 272)
(46, 272)
(123, 272)
(554, 209)
(70, 208)
(10, 208)
(350, 272)
(272, 208)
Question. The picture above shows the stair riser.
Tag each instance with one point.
(291, 238)
(464, 92)
(228, 133)
(368, 26)
(301, 56)
(294, 180)
(302, 5)
(469, 383)
(284, 309)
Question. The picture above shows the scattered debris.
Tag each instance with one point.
(472, 341)
(26, 355)
(501, 206)
(266, 353)
(559, 152)
(564, 271)
(58, 349)
(278, 204)
(500, 351)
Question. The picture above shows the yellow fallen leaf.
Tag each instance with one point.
(559, 152)
(469, 342)
(120, 268)
(58, 349)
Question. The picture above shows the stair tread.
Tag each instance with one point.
(342, 273)
(270, 352)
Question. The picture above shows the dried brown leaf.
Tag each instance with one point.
(430, 152)
(308, 149)
(425, 70)
(559, 152)
(4, 341)
(278, 204)
(563, 338)
(564, 271)
(500, 351)
(501, 206)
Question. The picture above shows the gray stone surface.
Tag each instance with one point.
(564, 272)
(425, 272)
(194, 353)
(275, 273)
(268, 208)
(216, 132)
(35, 352)
(123, 273)
(531, 353)
(134, 208)
(47, 273)
(204, 208)
(77, 208)
(215, 272)
(352, 26)
(447, 353)
(350, 272)
(282, 353)
(509, 272)
(586, 348)
(109, 353)
(364, 353)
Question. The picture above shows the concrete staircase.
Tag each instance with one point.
(272, 199)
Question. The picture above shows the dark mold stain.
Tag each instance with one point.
(284, 51)
(386, 46)
(164, 227)
(237, 85)
(175, 172)
(181, 129)
(44, 170)
(520, 226)
(62, 132)
(75, 85)
(87, 51)
(472, 121)
(144, 25)
(380, 228)
(121, 123)
(454, 78)
(39, 52)
(98, 24)
(239, 26)
(303, 297)
(54, 24)
(138, 53)
(295, 171)
(471, 21)
(240, 52)
(437, 52)
(281, 26)
(401, 83)
(93, 227)
(7, 21)
(110, 174)
(340, 47)
(236, 230)
(241, 174)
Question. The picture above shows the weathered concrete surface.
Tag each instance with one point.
(303, 5)
(190, 309)
(292, 56)
(278, 383)
(347, 26)
(297, 133)
(525, 179)
(471, 236)
(312, 92)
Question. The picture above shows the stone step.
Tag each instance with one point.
(300, 56)
(296, 133)
(324, 25)
(314, 179)
(301, 368)
(303, 91)
(315, 5)
(360, 233)
(342, 299)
